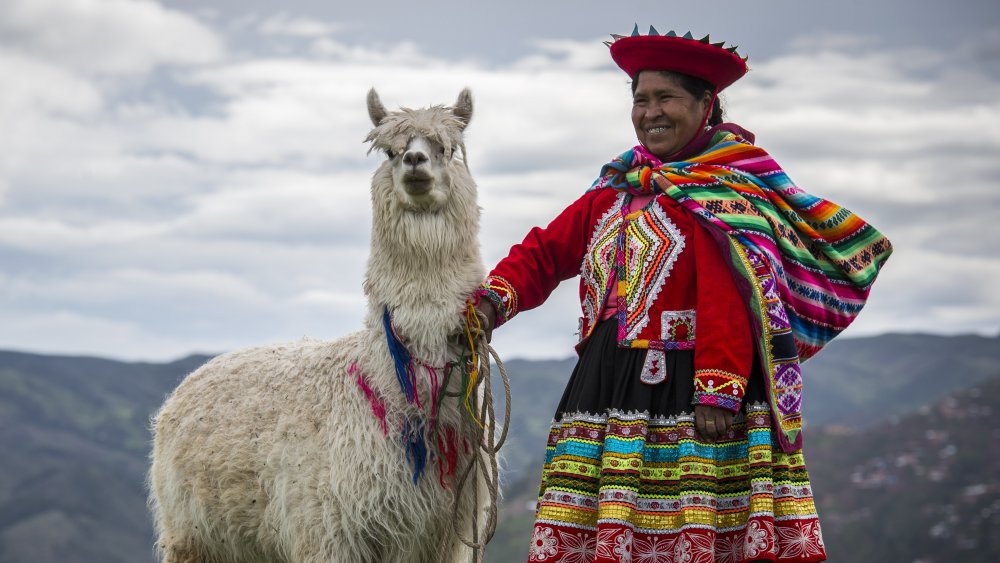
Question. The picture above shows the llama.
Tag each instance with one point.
(311, 451)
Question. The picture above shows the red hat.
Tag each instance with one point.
(698, 57)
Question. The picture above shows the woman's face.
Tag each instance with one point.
(664, 114)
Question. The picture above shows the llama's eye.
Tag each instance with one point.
(389, 153)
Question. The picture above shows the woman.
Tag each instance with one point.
(706, 277)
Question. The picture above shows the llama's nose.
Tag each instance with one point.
(414, 158)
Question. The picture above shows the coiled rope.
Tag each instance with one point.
(484, 459)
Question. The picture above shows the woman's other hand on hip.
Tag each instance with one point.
(712, 422)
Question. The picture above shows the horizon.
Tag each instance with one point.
(209, 355)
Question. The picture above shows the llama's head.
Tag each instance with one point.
(422, 146)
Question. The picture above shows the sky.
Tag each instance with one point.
(187, 176)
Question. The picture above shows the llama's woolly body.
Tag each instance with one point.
(273, 453)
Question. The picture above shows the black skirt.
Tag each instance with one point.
(607, 376)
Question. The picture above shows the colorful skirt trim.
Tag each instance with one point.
(627, 487)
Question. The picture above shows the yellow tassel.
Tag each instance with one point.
(472, 320)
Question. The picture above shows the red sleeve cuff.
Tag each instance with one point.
(501, 294)
(717, 388)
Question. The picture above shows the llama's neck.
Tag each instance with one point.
(424, 268)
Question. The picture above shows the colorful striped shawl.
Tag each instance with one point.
(823, 257)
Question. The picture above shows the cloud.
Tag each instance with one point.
(195, 198)
(43, 87)
(282, 206)
(283, 24)
(107, 36)
(566, 54)
(69, 332)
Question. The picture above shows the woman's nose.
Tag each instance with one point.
(653, 110)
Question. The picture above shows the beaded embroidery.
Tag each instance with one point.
(648, 246)
(678, 326)
(597, 266)
(502, 295)
(654, 368)
(717, 388)
(677, 333)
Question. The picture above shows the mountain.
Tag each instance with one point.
(859, 381)
(922, 487)
(75, 440)
(74, 435)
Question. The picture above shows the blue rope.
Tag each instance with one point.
(413, 436)
(401, 359)
(416, 449)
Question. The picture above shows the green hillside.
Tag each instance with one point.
(923, 487)
(74, 433)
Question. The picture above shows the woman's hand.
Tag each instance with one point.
(487, 310)
(712, 422)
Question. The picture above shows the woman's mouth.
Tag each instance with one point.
(658, 129)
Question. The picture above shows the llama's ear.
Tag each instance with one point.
(463, 106)
(376, 110)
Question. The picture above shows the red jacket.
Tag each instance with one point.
(675, 290)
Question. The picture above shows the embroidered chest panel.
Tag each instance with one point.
(651, 243)
(641, 248)
(599, 262)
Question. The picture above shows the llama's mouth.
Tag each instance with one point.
(418, 182)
